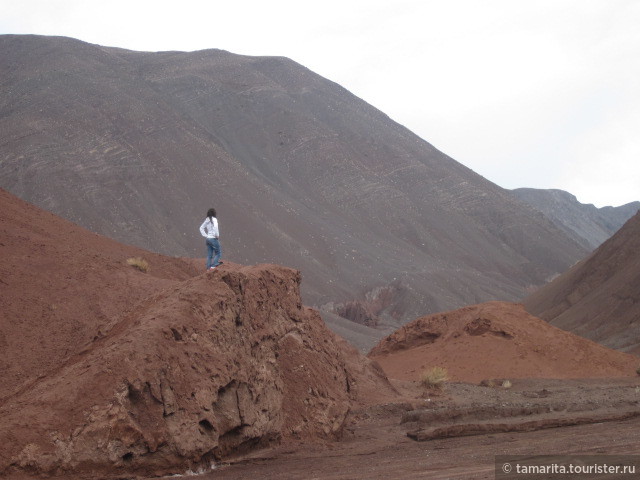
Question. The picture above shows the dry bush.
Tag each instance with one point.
(496, 383)
(434, 377)
(139, 263)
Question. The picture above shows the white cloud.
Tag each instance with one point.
(541, 94)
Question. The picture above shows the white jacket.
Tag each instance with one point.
(209, 228)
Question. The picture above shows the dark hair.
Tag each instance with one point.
(211, 213)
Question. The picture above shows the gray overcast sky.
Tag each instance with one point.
(535, 93)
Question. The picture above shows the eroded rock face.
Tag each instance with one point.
(219, 363)
(377, 302)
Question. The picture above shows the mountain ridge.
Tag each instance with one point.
(588, 225)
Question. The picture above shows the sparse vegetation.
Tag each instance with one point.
(496, 383)
(434, 377)
(139, 263)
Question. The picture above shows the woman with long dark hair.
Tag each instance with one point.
(209, 230)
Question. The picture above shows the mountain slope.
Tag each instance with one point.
(137, 146)
(599, 298)
(586, 224)
(62, 287)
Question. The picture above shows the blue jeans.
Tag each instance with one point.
(213, 247)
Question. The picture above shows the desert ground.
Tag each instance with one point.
(597, 417)
(99, 353)
(477, 423)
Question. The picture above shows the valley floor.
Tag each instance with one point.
(602, 417)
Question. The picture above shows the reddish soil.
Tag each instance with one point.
(376, 444)
(456, 431)
(496, 340)
(62, 287)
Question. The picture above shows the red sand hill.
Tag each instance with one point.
(599, 298)
(110, 370)
(495, 340)
(62, 287)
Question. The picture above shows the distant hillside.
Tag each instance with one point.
(585, 223)
(599, 298)
(137, 146)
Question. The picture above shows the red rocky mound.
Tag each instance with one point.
(495, 340)
(61, 288)
(112, 371)
(599, 298)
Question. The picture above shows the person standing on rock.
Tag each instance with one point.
(209, 230)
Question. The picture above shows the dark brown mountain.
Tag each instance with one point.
(599, 298)
(585, 223)
(137, 146)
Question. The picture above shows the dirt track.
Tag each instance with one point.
(376, 446)
(463, 457)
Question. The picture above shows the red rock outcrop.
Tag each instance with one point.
(112, 372)
(220, 363)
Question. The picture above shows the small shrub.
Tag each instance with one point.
(434, 377)
(638, 370)
(139, 263)
(496, 383)
(490, 382)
